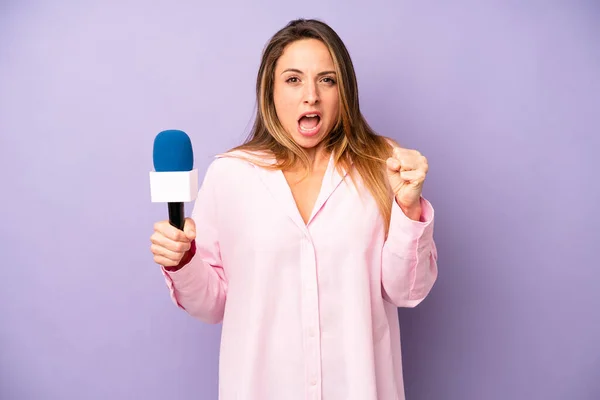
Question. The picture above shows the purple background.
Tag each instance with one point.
(503, 98)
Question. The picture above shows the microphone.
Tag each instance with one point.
(174, 179)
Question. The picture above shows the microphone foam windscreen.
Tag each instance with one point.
(172, 151)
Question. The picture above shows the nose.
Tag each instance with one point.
(311, 93)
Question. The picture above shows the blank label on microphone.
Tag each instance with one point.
(173, 186)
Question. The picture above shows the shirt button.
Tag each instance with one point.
(311, 332)
(313, 382)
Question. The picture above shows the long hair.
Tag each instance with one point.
(352, 142)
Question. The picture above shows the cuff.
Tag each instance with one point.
(407, 235)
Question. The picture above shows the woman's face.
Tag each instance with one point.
(305, 92)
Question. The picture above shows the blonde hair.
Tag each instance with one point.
(352, 142)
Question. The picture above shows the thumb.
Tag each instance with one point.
(189, 228)
(393, 166)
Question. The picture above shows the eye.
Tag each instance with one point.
(292, 79)
(329, 80)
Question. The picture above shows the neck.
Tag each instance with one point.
(318, 158)
(317, 154)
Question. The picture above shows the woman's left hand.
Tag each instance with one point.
(406, 171)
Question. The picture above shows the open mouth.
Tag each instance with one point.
(309, 124)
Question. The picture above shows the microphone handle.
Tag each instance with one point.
(176, 215)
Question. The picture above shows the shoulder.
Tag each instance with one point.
(233, 165)
(248, 156)
(391, 142)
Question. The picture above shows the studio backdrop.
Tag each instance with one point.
(502, 97)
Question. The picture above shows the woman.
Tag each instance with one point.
(305, 240)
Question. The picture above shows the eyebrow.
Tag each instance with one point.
(300, 72)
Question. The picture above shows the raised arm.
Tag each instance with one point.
(409, 260)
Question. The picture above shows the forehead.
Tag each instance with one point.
(304, 55)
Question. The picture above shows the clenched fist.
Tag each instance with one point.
(170, 244)
(406, 170)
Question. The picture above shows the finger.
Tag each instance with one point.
(160, 251)
(414, 163)
(393, 164)
(169, 231)
(165, 262)
(410, 159)
(403, 164)
(189, 229)
(178, 246)
(414, 176)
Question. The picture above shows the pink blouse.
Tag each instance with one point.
(309, 311)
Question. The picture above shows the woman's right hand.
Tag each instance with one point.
(170, 244)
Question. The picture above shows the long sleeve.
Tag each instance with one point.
(200, 287)
(409, 260)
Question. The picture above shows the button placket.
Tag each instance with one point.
(310, 303)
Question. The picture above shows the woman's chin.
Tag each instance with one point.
(309, 140)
